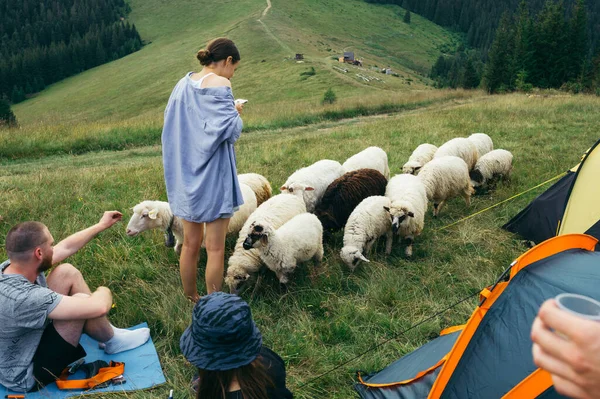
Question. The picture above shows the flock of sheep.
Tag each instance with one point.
(286, 229)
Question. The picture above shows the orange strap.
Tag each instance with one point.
(420, 374)
(113, 370)
(416, 377)
(531, 387)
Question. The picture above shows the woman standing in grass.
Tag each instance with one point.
(202, 123)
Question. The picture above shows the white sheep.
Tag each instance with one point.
(310, 183)
(148, 215)
(408, 198)
(419, 157)
(259, 184)
(367, 222)
(491, 167)
(445, 178)
(277, 210)
(459, 147)
(482, 142)
(298, 240)
(369, 158)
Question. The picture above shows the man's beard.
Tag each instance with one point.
(45, 265)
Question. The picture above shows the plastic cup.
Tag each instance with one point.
(579, 305)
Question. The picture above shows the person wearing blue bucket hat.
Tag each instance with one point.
(224, 343)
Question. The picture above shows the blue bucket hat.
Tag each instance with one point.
(222, 335)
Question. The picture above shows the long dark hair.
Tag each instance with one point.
(217, 50)
(253, 380)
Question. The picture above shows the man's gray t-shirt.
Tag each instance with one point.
(24, 309)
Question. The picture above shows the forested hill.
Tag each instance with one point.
(479, 18)
(44, 41)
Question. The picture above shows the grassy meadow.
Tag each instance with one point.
(323, 322)
(91, 143)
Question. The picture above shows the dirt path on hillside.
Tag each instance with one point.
(270, 33)
(266, 9)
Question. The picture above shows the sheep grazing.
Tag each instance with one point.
(345, 193)
(259, 184)
(445, 178)
(148, 215)
(276, 211)
(419, 157)
(369, 158)
(311, 182)
(483, 143)
(366, 224)
(490, 168)
(459, 147)
(407, 209)
(298, 240)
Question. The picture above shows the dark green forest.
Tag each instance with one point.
(44, 41)
(479, 19)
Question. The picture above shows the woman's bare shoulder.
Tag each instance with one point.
(216, 81)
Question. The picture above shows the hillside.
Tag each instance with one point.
(138, 85)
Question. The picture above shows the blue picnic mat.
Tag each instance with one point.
(142, 370)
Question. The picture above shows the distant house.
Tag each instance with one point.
(348, 56)
(299, 56)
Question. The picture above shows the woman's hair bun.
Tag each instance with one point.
(204, 57)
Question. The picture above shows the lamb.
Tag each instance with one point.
(345, 193)
(148, 215)
(259, 184)
(491, 167)
(459, 147)
(482, 142)
(419, 157)
(367, 222)
(276, 211)
(408, 198)
(310, 183)
(298, 240)
(369, 158)
(445, 178)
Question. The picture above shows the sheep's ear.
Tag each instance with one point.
(153, 213)
(387, 208)
(309, 189)
(264, 239)
(282, 188)
(412, 215)
(362, 257)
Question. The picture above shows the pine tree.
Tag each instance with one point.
(470, 78)
(524, 42)
(7, 117)
(407, 17)
(552, 57)
(499, 71)
(578, 41)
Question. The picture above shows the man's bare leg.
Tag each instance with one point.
(65, 279)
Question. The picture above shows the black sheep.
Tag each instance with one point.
(345, 193)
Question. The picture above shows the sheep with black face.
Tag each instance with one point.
(298, 240)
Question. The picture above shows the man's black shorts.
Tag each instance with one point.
(53, 355)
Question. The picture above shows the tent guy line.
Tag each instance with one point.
(502, 202)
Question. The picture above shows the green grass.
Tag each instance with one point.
(138, 86)
(323, 322)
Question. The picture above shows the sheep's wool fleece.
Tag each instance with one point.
(200, 128)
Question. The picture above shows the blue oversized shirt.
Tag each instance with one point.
(200, 128)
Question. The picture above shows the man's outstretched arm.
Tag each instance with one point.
(75, 242)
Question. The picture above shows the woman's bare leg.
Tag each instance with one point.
(215, 249)
(188, 261)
